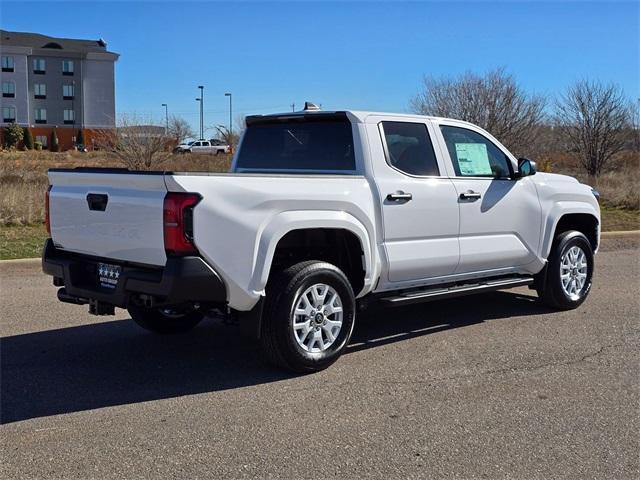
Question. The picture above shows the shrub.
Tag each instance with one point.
(27, 138)
(55, 145)
(80, 137)
(37, 145)
(13, 135)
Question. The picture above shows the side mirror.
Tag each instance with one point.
(526, 167)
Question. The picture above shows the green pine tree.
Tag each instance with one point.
(27, 138)
(80, 137)
(55, 145)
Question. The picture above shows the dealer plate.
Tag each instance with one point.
(108, 275)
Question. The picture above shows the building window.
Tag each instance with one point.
(68, 92)
(8, 114)
(8, 89)
(41, 115)
(43, 140)
(40, 90)
(39, 66)
(7, 64)
(67, 67)
(69, 117)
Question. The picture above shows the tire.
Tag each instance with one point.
(564, 286)
(302, 343)
(160, 321)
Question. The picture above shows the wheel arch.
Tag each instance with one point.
(304, 235)
(583, 219)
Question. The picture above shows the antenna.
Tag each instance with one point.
(311, 107)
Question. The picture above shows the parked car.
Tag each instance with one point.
(323, 212)
(212, 146)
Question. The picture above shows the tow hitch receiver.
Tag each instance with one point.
(95, 307)
(101, 308)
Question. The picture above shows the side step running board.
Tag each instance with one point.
(435, 293)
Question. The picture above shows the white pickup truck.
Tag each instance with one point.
(322, 212)
(212, 147)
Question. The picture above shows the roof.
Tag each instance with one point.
(358, 116)
(36, 40)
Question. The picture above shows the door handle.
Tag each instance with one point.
(399, 196)
(470, 195)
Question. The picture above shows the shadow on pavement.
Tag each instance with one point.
(115, 363)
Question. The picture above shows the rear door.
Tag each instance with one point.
(418, 202)
(500, 217)
(111, 215)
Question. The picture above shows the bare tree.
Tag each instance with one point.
(179, 130)
(136, 145)
(594, 119)
(494, 102)
(231, 138)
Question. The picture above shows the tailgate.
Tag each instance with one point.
(111, 215)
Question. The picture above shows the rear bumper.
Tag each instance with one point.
(182, 280)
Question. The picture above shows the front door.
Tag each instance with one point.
(418, 202)
(500, 216)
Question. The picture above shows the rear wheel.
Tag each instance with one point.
(308, 317)
(165, 320)
(568, 273)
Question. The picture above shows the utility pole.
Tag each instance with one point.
(166, 118)
(293, 107)
(201, 100)
(228, 94)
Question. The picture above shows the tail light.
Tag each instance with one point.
(47, 218)
(178, 223)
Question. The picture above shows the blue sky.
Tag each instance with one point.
(359, 55)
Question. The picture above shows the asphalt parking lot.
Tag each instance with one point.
(490, 386)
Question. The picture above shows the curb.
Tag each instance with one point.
(621, 233)
(25, 261)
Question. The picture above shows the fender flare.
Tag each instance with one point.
(559, 210)
(281, 224)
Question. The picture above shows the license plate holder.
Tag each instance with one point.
(108, 275)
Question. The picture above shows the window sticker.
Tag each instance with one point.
(473, 159)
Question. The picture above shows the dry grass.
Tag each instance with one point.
(23, 177)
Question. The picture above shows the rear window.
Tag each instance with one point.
(304, 146)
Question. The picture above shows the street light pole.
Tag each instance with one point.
(230, 120)
(166, 118)
(201, 87)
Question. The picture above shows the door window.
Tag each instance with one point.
(409, 148)
(473, 155)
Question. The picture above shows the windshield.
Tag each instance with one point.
(301, 145)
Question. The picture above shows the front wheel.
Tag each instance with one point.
(165, 320)
(568, 273)
(308, 317)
